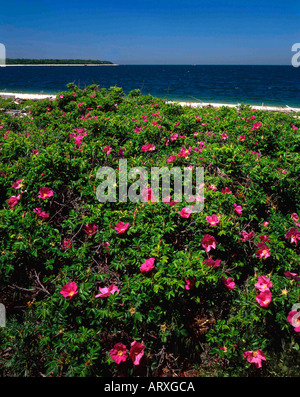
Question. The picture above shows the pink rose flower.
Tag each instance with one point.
(228, 282)
(90, 229)
(208, 242)
(105, 292)
(264, 298)
(185, 212)
(45, 192)
(136, 352)
(263, 283)
(121, 227)
(119, 353)
(13, 201)
(237, 208)
(263, 252)
(247, 236)
(255, 357)
(293, 234)
(147, 265)
(41, 213)
(69, 290)
(294, 320)
(212, 263)
(17, 184)
(212, 220)
(148, 148)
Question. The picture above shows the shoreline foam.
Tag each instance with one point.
(24, 96)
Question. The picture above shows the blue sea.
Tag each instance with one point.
(254, 85)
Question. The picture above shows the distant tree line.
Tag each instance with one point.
(21, 61)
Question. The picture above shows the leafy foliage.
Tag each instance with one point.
(181, 310)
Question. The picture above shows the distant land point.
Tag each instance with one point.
(56, 62)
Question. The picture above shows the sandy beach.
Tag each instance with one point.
(287, 109)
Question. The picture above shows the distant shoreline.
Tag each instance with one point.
(36, 97)
(64, 64)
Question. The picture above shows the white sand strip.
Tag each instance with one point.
(16, 95)
(217, 105)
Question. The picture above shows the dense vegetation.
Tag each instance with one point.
(148, 288)
(22, 61)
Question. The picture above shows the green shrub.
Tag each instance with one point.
(181, 310)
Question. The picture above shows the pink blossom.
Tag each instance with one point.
(17, 184)
(45, 192)
(264, 238)
(226, 190)
(185, 212)
(41, 213)
(66, 244)
(295, 217)
(212, 263)
(294, 127)
(171, 159)
(263, 284)
(137, 130)
(293, 276)
(105, 292)
(208, 242)
(149, 147)
(189, 284)
(13, 200)
(241, 138)
(148, 195)
(184, 152)
(228, 282)
(107, 150)
(90, 229)
(136, 352)
(294, 320)
(255, 357)
(212, 187)
(168, 200)
(256, 126)
(121, 227)
(264, 298)
(212, 220)
(119, 353)
(263, 251)
(147, 265)
(247, 236)
(69, 290)
(237, 208)
(293, 234)
(224, 136)
(174, 137)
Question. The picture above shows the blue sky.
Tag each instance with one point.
(152, 31)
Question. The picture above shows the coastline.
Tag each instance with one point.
(287, 109)
(35, 97)
(65, 64)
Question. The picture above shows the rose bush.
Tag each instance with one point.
(180, 288)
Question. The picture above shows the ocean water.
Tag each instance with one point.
(254, 85)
